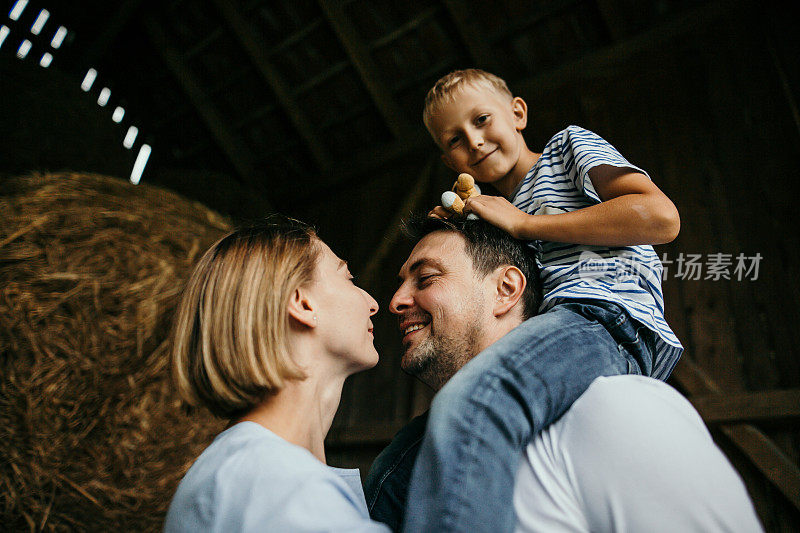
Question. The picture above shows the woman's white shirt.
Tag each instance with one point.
(249, 479)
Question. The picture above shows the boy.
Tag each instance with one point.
(590, 216)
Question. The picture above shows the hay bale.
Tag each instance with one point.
(91, 435)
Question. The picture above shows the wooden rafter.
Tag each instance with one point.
(225, 139)
(775, 465)
(748, 407)
(392, 234)
(359, 54)
(257, 52)
(367, 162)
(104, 41)
(478, 48)
(612, 13)
(615, 56)
(573, 72)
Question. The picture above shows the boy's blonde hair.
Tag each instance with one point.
(230, 336)
(449, 85)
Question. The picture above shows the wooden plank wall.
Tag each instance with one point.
(713, 116)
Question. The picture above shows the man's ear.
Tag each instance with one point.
(301, 309)
(520, 110)
(449, 163)
(510, 285)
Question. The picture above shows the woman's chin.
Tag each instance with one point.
(369, 360)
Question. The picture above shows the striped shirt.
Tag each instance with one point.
(629, 276)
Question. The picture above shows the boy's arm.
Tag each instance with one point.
(633, 211)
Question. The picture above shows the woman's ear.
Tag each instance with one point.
(520, 110)
(301, 309)
(510, 286)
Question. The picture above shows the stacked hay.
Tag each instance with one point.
(91, 435)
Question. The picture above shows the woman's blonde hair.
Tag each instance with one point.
(230, 336)
(447, 86)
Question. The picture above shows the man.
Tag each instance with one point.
(630, 455)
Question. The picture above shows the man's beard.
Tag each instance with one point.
(436, 359)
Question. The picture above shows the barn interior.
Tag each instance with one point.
(191, 117)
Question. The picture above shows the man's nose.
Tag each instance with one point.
(401, 300)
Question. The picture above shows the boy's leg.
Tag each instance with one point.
(488, 412)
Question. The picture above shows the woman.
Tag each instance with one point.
(268, 328)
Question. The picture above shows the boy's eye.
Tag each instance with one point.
(453, 141)
(481, 119)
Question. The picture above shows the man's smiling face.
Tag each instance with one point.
(440, 306)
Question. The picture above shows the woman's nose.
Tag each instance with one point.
(373, 305)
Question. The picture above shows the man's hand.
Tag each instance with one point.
(497, 211)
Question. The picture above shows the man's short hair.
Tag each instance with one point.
(489, 247)
(230, 346)
(449, 85)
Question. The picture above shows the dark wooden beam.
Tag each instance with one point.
(616, 56)
(362, 435)
(368, 161)
(613, 14)
(370, 74)
(253, 45)
(477, 47)
(773, 463)
(423, 17)
(574, 72)
(225, 139)
(748, 407)
(392, 234)
(102, 44)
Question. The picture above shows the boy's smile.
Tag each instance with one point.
(480, 133)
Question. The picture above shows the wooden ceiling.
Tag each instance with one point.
(294, 97)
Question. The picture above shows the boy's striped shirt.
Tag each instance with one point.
(629, 276)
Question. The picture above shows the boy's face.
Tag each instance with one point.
(480, 133)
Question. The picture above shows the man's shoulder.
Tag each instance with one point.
(627, 402)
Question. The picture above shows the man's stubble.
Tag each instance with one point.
(437, 358)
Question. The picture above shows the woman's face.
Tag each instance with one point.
(343, 312)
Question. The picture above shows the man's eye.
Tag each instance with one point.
(422, 281)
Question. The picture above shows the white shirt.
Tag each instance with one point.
(630, 455)
(249, 479)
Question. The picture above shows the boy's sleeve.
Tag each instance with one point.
(583, 150)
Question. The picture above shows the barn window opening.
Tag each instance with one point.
(58, 38)
(88, 80)
(17, 10)
(24, 48)
(4, 31)
(130, 137)
(119, 112)
(41, 20)
(46, 59)
(105, 94)
(141, 162)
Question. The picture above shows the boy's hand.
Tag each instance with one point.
(497, 211)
